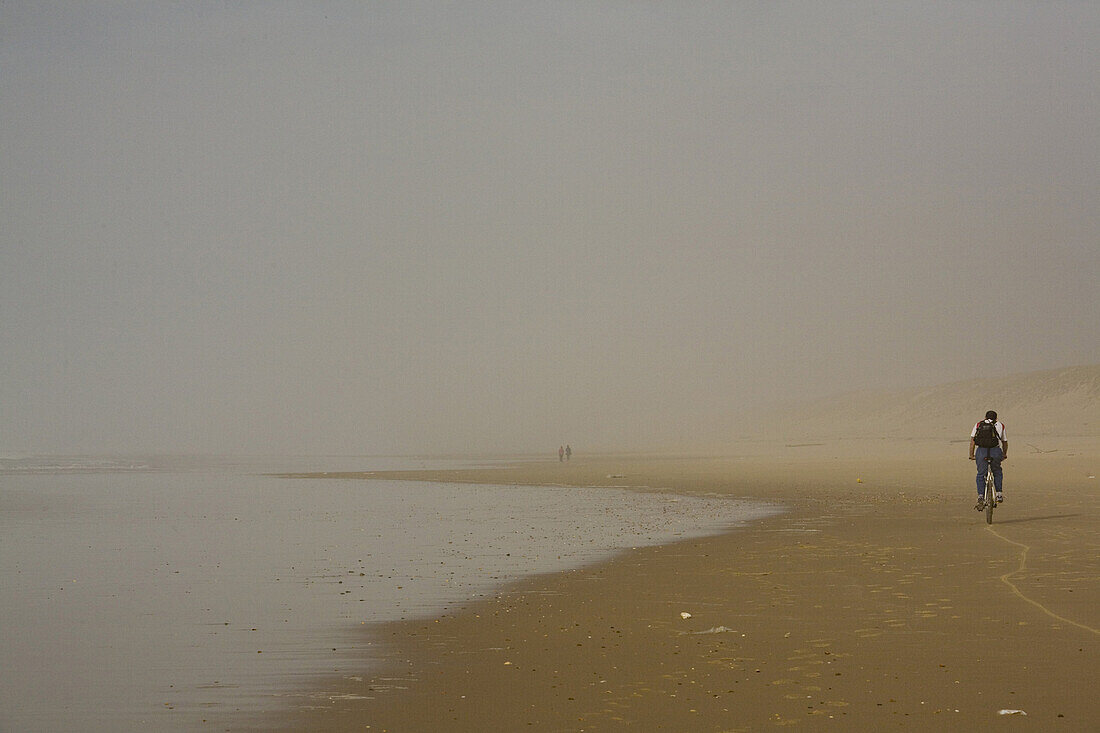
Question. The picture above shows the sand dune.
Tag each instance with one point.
(1060, 402)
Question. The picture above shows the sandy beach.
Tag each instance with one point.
(879, 599)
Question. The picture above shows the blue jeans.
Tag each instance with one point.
(979, 458)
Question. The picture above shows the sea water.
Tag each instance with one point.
(169, 595)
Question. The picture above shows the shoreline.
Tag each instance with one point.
(878, 599)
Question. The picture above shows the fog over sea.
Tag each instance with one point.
(159, 594)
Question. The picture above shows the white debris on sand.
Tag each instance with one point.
(712, 630)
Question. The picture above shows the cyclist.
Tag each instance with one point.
(988, 438)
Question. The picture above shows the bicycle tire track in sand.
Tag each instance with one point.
(1023, 562)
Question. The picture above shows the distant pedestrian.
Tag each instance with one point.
(561, 454)
(568, 452)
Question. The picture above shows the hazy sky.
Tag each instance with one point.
(448, 226)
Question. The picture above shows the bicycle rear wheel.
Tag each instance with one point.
(990, 495)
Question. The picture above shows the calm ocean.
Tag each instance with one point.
(169, 595)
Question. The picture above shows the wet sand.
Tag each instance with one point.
(880, 599)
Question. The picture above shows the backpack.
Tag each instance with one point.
(986, 435)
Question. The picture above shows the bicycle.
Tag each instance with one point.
(990, 495)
